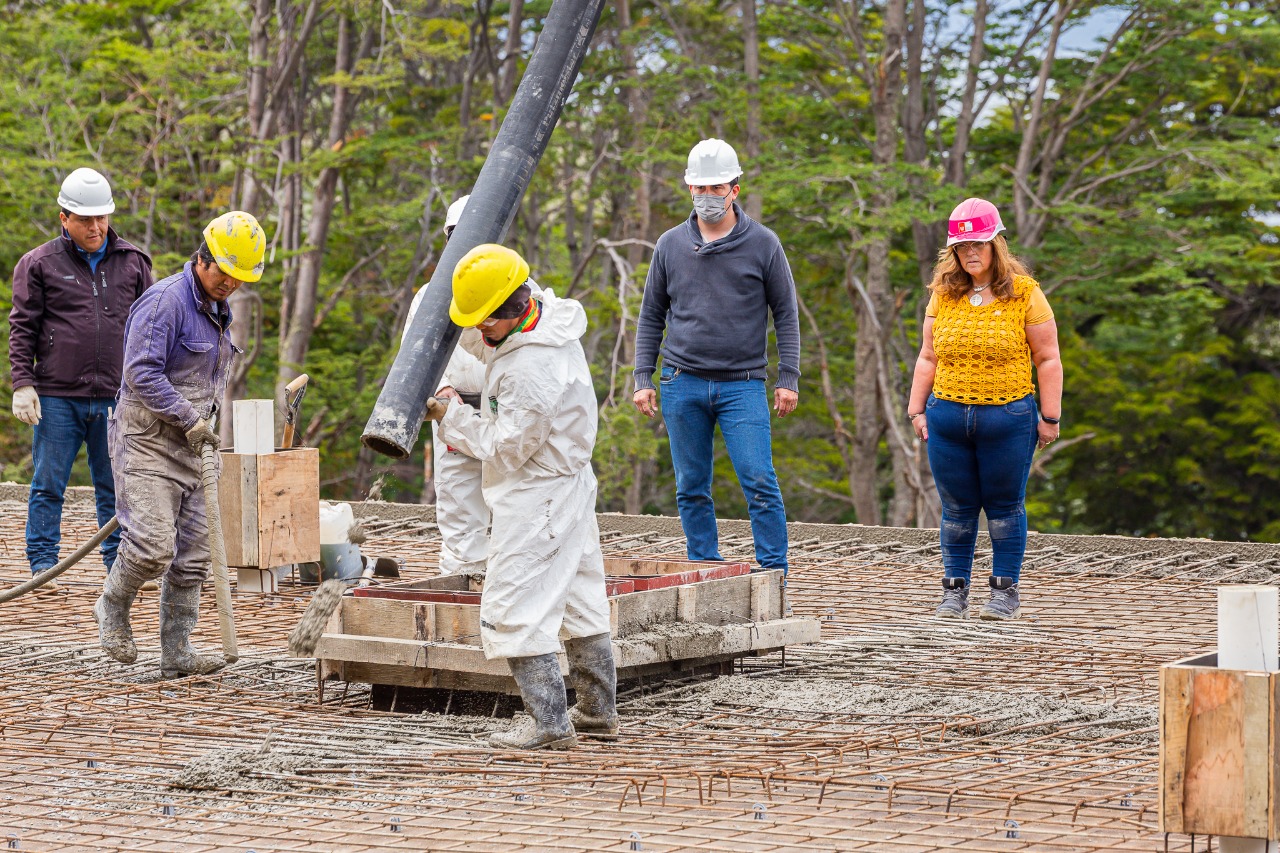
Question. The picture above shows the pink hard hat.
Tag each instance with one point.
(974, 219)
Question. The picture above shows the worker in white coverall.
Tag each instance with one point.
(534, 434)
(461, 513)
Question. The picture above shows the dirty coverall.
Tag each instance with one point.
(534, 434)
(177, 357)
(461, 513)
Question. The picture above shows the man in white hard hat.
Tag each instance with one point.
(713, 282)
(71, 297)
(461, 513)
(535, 433)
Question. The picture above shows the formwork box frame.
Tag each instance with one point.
(666, 629)
(1219, 750)
(270, 505)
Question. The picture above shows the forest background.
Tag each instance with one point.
(1132, 147)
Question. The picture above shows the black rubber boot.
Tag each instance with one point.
(179, 612)
(111, 612)
(546, 725)
(595, 681)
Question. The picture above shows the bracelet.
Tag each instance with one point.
(1050, 420)
(912, 417)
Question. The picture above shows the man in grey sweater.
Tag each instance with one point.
(713, 281)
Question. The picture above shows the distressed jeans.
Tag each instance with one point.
(691, 408)
(66, 423)
(981, 457)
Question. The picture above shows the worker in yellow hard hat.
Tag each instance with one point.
(177, 357)
(534, 433)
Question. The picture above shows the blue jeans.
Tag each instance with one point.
(65, 424)
(691, 408)
(981, 457)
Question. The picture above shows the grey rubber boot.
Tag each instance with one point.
(595, 681)
(547, 725)
(955, 599)
(1004, 603)
(111, 612)
(179, 612)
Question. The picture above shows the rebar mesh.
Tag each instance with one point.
(897, 732)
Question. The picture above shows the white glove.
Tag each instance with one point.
(200, 435)
(26, 405)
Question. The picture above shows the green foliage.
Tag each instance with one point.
(1159, 252)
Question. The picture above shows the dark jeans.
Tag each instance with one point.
(981, 457)
(691, 408)
(65, 424)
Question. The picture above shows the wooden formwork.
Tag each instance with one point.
(666, 616)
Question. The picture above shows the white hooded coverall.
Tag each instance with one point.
(461, 513)
(534, 435)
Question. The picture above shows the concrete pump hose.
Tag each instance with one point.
(218, 551)
(49, 574)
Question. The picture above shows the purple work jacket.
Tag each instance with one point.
(66, 328)
(177, 351)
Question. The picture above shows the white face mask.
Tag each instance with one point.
(711, 208)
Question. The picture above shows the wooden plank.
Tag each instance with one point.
(424, 622)
(621, 567)
(376, 617)
(289, 507)
(413, 653)
(253, 426)
(760, 606)
(1256, 734)
(728, 603)
(687, 603)
(728, 639)
(638, 611)
(238, 503)
(1214, 790)
(458, 623)
(1175, 715)
(1273, 757)
(405, 676)
(716, 572)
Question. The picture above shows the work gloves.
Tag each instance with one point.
(26, 405)
(436, 408)
(200, 435)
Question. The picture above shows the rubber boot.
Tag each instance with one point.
(111, 612)
(595, 681)
(547, 725)
(179, 611)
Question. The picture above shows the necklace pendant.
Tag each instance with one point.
(975, 300)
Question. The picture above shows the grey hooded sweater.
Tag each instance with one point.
(711, 299)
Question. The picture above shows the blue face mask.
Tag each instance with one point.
(711, 208)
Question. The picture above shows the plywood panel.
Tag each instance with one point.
(289, 507)
(1175, 715)
(1214, 789)
(238, 504)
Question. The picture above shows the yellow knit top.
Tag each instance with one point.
(983, 354)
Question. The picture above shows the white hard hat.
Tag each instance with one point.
(712, 161)
(87, 193)
(454, 213)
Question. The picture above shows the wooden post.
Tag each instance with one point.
(1249, 639)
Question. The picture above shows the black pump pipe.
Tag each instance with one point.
(397, 416)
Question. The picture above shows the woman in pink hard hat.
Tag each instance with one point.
(973, 402)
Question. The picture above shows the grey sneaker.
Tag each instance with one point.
(1004, 603)
(955, 599)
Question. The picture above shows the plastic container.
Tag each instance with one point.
(336, 520)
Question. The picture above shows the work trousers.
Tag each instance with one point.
(546, 571)
(981, 457)
(461, 513)
(159, 500)
(65, 424)
(691, 409)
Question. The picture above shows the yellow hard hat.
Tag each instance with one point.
(238, 244)
(483, 280)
